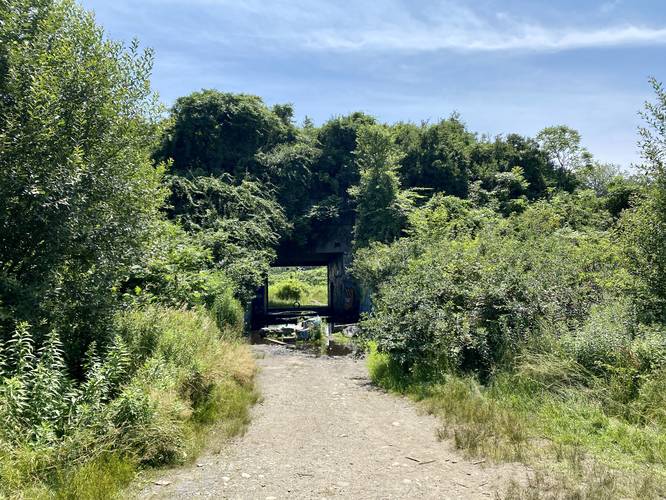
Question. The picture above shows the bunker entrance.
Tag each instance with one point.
(324, 285)
(298, 287)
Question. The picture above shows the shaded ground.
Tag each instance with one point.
(323, 431)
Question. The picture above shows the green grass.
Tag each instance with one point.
(104, 477)
(543, 415)
(193, 388)
(341, 339)
(314, 295)
(313, 282)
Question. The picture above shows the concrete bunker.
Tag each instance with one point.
(343, 292)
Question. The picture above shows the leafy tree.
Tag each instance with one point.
(291, 289)
(212, 132)
(78, 190)
(645, 226)
(622, 193)
(382, 206)
(563, 147)
(506, 153)
(239, 223)
(291, 167)
(177, 270)
(509, 193)
(598, 176)
(337, 170)
(443, 161)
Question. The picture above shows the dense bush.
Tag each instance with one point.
(228, 312)
(475, 289)
(78, 190)
(290, 289)
(212, 133)
(237, 222)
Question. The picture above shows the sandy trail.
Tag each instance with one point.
(323, 431)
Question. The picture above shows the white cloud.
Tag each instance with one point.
(401, 25)
(528, 38)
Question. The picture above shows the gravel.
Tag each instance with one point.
(323, 431)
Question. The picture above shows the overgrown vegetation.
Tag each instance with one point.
(518, 284)
(120, 317)
(537, 333)
(146, 400)
(305, 286)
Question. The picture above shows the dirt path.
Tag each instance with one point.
(323, 431)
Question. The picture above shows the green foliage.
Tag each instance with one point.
(622, 193)
(469, 302)
(384, 371)
(644, 227)
(562, 145)
(306, 285)
(211, 133)
(291, 167)
(337, 169)
(40, 404)
(238, 223)
(290, 290)
(78, 191)
(439, 157)
(382, 206)
(522, 323)
(98, 479)
(166, 375)
(228, 312)
(118, 329)
(176, 270)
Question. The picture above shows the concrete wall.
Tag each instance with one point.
(344, 295)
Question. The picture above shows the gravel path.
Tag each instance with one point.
(323, 431)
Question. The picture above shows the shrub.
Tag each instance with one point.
(474, 301)
(290, 290)
(604, 340)
(79, 193)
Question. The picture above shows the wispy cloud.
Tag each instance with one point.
(394, 25)
(530, 38)
(399, 25)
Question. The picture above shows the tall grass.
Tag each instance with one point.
(548, 412)
(149, 400)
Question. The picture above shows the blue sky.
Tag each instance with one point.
(505, 66)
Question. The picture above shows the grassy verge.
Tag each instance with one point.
(311, 296)
(547, 415)
(188, 385)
